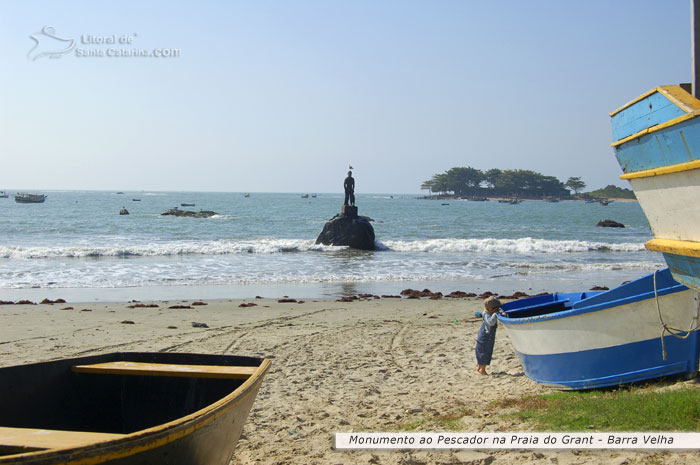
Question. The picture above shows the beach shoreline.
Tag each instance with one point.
(371, 365)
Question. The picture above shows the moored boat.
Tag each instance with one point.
(21, 197)
(127, 408)
(597, 339)
(4, 195)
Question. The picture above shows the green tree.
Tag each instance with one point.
(575, 184)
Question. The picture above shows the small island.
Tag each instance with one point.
(473, 184)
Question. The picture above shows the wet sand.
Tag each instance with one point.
(375, 365)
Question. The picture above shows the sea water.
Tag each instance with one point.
(77, 246)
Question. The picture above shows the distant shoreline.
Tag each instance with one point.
(540, 199)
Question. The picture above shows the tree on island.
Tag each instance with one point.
(468, 181)
(575, 184)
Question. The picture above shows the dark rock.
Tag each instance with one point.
(351, 231)
(180, 307)
(123, 211)
(286, 301)
(610, 224)
(189, 214)
(600, 288)
(460, 295)
(196, 324)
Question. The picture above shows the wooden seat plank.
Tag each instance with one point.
(164, 369)
(50, 439)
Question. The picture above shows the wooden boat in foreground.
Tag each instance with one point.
(596, 339)
(127, 408)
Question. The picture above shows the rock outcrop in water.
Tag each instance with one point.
(187, 213)
(348, 229)
(610, 224)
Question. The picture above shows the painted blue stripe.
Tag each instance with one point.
(613, 366)
(679, 143)
(653, 110)
(684, 269)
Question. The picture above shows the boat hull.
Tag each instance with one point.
(657, 144)
(155, 419)
(608, 339)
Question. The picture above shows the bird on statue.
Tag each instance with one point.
(350, 167)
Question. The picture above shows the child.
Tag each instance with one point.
(487, 334)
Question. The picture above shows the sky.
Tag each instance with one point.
(283, 96)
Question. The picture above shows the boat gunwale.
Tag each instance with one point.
(149, 438)
(582, 310)
(674, 246)
(671, 92)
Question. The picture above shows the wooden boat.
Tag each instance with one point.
(127, 408)
(657, 144)
(29, 198)
(596, 339)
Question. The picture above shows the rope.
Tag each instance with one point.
(675, 332)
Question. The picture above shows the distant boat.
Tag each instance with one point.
(604, 202)
(304, 196)
(4, 195)
(127, 408)
(313, 196)
(135, 200)
(29, 198)
(187, 205)
(119, 193)
(246, 195)
(595, 339)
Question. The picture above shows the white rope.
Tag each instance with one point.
(675, 332)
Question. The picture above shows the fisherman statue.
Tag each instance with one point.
(349, 186)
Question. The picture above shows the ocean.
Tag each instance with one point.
(76, 246)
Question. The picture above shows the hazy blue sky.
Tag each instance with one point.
(283, 95)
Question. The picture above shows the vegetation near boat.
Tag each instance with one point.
(640, 330)
(29, 198)
(127, 408)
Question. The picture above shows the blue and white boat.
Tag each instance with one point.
(657, 144)
(597, 339)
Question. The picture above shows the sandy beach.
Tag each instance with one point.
(375, 365)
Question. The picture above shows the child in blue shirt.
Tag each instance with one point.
(487, 334)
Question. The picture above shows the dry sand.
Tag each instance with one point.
(377, 365)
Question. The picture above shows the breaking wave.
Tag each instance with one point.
(521, 246)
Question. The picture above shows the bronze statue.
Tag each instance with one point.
(349, 186)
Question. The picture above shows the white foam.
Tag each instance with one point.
(270, 246)
(525, 245)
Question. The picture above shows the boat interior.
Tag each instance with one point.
(545, 305)
(79, 401)
(660, 282)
